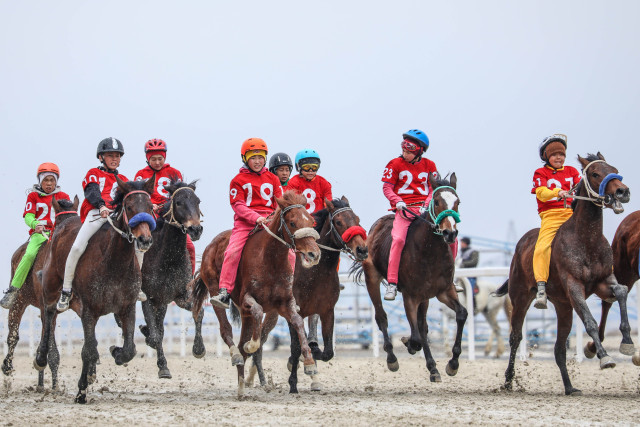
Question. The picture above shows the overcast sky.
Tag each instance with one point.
(486, 80)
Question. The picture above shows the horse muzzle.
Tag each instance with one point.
(362, 253)
(194, 231)
(623, 195)
(143, 243)
(449, 235)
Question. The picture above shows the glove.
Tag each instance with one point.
(401, 206)
(39, 228)
(104, 211)
(423, 209)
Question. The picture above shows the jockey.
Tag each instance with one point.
(281, 166)
(39, 217)
(252, 195)
(312, 186)
(156, 153)
(406, 186)
(551, 184)
(99, 187)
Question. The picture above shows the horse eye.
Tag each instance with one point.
(293, 224)
(179, 203)
(339, 223)
(595, 175)
(437, 203)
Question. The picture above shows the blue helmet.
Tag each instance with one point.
(305, 157)
(418, 136)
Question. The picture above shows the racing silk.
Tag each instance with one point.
(107, 183)
(410, 181)
(547, 183)
(163, 177)
(315, 191)
(38, 208)
(253, 195)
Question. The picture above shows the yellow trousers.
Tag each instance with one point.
(551, 221)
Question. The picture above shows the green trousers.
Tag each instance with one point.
(27, 260)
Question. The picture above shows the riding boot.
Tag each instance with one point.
(392, 291)
(63, 302)
(10, 296)
(222, 299)
(541, 296)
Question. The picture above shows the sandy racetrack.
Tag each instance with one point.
(358, 390)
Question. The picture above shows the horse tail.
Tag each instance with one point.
(198, 294)
(502, 290)
(235, 314)
(356, 270)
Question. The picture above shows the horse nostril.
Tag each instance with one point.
(623, 194)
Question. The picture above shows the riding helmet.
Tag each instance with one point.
(155, 145)
(558, 137)
(250, 145)
(110, 145)
(418, 136)
(306, 157)
(280, 159)
(50, 168)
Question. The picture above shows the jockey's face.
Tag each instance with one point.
(557, 160)
(283, 173)
(256, 163)
(48, 184)
(156, 162)
(111, 160)
(408, 155)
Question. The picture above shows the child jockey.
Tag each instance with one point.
(39, 217)
(252, 194)
(156, 153)
(99, 187)
(551, 184)
(312, 186)
(280, 165)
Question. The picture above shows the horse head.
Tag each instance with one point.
(598, 174)
(345, 225)
(296, 224)
(133, 203)
(443, 207)
(183, 208)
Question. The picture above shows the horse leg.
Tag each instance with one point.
(413, 342)
(620, 292)
(89, 355)
(492, 320)
(40, 362)
(149, 318)
(226, 332)
(53, 357)
(423, 329)
(255, 309)
(564, 314)
(372, 279)
(290, 313)
(590, 347)
(198, 349)
(15, 316)
(269, 322)
(127, 352)
(520, 306)
(312, 336)
(245, 334)
(163, 370)
(450, 299)
(327, 320)
(296, 351)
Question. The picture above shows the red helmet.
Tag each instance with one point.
(155, 145)
(48, 167)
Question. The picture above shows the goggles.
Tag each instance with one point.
(410, 146)
(310, 168)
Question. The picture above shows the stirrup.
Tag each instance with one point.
(222, 299)
(392, 291)
(63, 302)
(9, 298)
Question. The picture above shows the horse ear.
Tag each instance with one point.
(280, 201)
(54, 203)
(122, 185)
(584, 162)
(600, 156)
(192, 185)
(453, 180)
(345, 200)
(432, 181)
(76, 203)
(149, 184)
(329, 204)
(170, 188)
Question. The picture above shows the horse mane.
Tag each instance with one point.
(442, 181)
(117, 201)
(65, 204)
(292, 197)
(322, 215)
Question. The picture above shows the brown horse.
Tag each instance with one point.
(626, 248)
(31, 294)
(107, 278)
(580, 266)
(264, 281)
(317, 289)
(426, 271)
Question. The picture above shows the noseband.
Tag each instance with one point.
(350, 232)
(599, 199)
(172, 219)
(299, 234)
(135, 220)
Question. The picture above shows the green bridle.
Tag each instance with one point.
(442, 215)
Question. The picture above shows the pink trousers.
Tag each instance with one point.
(233, 253)
(398, 238)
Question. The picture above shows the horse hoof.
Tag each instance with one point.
(38, 367)
(164, 374)
(237, 360)
(81, 397)
(310, 369)
(7, 369)
(607, 362)
(289, 366)
(393, 366)
(636, 359)
(588, 353)
(199, 355)
(145, 330)
(91, 379)
(112, 349)
(627, 349)
(435, 378)
(316, 386)
(251, 346)
(450, 371)
(574, 392)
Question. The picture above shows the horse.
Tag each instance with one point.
(426, 271)
(489, 306)
(581, 265)
(31, 294)
(264, 281)
(166, 269)
(626, 250)
(317, 289)
(107, 278)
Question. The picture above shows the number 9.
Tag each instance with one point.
(233, 192)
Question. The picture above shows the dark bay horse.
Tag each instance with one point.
(31, 294)
(107, 278)
(626, 250)
(317, 289)
(265, 278)
(581, 265)
(166, 269)
(426, 271)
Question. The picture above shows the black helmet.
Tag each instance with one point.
(280, 159)
(110, 145)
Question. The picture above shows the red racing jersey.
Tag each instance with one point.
(107, 183)
(410, 180)
(39, 204)
(257, 192)
(163, 177)
(315, 191)
(564, 179)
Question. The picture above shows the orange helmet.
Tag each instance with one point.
(252, 144)
(48, 167)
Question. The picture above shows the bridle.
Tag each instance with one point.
(298, 234)
(172, 220)
(599, 198)
(341, 242)
(137, 218)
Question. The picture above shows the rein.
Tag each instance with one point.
(599, 199)
(172, 220)
(299, 234)
(129, 234)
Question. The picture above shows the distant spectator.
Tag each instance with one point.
(469, 259)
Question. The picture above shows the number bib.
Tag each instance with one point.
(410, 181)
(258, 192)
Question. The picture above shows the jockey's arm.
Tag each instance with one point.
(93, 195)
(545, 194)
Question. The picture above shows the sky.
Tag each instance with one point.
(487, 81)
